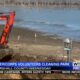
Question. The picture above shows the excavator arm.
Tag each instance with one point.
(9, 18)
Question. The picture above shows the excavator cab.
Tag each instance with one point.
(9, 18)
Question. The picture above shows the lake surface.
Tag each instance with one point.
(62, 22)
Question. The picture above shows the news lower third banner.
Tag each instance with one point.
(37, 65)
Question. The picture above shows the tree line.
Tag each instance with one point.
(59, 3)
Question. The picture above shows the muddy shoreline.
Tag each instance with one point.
(23, 43)
(47, 46)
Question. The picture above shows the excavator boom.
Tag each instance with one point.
(9, 18)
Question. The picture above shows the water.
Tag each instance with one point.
(62, 22)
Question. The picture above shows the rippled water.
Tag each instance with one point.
(63, 22)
